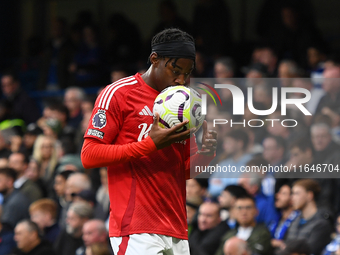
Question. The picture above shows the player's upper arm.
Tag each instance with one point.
(107, 117)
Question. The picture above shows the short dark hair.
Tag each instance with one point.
(25, 159)
(280, 141)
(302, 144)
(239, 135)
(203, 182)
(170, 35)
(309, 185)
(247, 196)
(257, 161)
(65, 174)
(236, 191)
(9, 172)
(228, 63)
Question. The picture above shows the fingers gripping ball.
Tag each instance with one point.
(176, 104)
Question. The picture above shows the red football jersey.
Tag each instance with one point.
(148, 194)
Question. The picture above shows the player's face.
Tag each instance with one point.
(173, 73)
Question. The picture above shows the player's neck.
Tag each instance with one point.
(149, 79)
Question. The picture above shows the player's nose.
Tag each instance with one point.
(180, 79)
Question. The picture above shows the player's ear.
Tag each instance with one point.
(154, 59)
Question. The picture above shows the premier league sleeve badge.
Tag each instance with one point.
(99, 119)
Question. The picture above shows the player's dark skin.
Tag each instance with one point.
(162, 74)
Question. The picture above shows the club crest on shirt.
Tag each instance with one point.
(99, 119)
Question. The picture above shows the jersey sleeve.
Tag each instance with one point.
(105, 123)
(96, 154)
(106, 119)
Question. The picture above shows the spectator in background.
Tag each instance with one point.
(268, 57)
(60, 112)
(275, 128)
(315, 60)
(316, 95)
(72, 99)
(224, 68)
(299, 247)
(252, 182)
(56, 59)
(274, 148)
(70, 238)
(28, 240)
(89, 196)
(326, 150)
(45, 151)
(312, 224)
(20, 105)
(227, 201)
(75, 183)
(102, 195)
(94, 232)
(295, 35)
(86, 65)
(196, 188)
(256, 71)
(288, 69)
(87, 105)
(15, 204)
(192, 206)
(302, 154)
(235, 146)
(205, 239)
(59, 187)
(279, 227)
(19, 162)
(98, 249)
(29, 138)
(332, 247)
(256, 235)
(236, 246)
(32, 173)
(331, 85)
(83, 18)
(4, 151)
(44, 213)
(203, 67)
(7, 243)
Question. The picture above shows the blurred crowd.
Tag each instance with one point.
(50, 204)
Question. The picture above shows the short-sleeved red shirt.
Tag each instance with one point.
(148, 194)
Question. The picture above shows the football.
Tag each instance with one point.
(176, 104)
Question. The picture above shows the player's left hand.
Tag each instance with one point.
(209, 142)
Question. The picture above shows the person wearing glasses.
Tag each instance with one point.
(256, 235)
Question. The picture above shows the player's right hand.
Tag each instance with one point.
(163, 137)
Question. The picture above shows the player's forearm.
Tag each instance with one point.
(196, 160)
(96, 154)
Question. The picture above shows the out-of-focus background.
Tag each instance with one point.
(56, 56)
